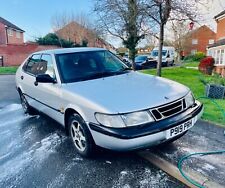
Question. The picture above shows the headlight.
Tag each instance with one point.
(110, 120)
(137, 118)
(124, 120)
(189, 99)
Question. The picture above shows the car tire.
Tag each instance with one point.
(173, 63)
(80, 136)
(25, 105)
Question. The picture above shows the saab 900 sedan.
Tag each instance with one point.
(101, 102)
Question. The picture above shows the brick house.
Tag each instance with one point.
(198, 40)
(13, 50)
(79, 34)
(10, 33)
(217, 50)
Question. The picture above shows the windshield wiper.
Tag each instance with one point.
(102, 74)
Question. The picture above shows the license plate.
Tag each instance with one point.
(175, 131)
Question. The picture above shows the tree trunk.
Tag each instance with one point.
(161, 38)
(132, 57)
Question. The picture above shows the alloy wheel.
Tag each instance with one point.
(77, 134)
(24, 103)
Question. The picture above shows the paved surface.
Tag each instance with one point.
(201, 138)
(34, 152)
(8, 94)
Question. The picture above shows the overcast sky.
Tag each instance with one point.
(34, 16)
(210, 11)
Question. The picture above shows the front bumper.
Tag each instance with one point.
(131, 138)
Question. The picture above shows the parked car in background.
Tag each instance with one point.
(168, 55)
(127, 60)
(144, 62)
(101, 102)
(139, 60)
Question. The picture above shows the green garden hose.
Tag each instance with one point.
(180, 162)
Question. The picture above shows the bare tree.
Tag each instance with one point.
(179, 30)
(124, 19)
(162, 11)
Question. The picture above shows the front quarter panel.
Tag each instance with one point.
(82, 106)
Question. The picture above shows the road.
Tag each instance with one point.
(34, 152)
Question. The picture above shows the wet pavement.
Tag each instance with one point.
(203, 137)
(35, 152)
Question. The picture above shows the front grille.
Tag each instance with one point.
(168, 109)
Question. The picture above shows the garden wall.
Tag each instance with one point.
(14, 55)
(220, 70)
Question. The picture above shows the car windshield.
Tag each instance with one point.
(156, 52)
(141, 58)
(81, 66)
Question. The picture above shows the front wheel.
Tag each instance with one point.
(26, 107)
(80, 136)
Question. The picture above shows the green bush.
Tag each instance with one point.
(195, 57)
(53, 39)
(215, 79)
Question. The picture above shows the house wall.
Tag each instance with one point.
(220, 70)
(76, 33)
(202, 35)
(14, 39)
(2, 34)
(14, 55)
(220, 28)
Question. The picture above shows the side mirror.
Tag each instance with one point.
(45, 78)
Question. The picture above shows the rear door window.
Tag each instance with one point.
(32, 64)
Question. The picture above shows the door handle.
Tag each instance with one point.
(22, 77)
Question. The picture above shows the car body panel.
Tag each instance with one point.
(124, 89)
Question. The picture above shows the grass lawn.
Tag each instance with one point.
(190, 64)
(8, 70)
(190, 78)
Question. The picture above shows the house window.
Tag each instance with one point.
(10, 32)
(210, 53)
(211, 41)
(18, 34)
(217, 57)
(194, 41)
(222, 57)
(193, 52)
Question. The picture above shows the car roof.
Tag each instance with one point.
(69, 50)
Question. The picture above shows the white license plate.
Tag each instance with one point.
(175, 131)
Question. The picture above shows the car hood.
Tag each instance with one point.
(127, 92)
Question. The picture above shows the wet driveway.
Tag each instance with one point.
(35, 152)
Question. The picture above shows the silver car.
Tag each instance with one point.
(101, 102)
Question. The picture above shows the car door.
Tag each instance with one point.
(28, 77)
(49, 94)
